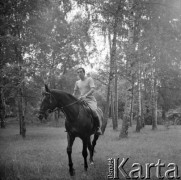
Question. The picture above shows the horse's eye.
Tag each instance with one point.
(49, 111)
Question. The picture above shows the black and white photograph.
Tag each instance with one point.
(90, 89)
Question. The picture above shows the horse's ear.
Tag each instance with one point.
(46, 88)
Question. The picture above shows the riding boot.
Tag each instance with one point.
(98, 130)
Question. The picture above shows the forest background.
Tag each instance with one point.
(132, 49)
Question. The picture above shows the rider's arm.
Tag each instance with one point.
(92, 87)
(76, 90)
(90, 92)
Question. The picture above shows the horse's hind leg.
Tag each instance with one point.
(90, 150)
(96, 136)
(69, 152)
(84, 153)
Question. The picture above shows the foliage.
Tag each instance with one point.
(40, 44)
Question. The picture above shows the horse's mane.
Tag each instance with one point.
(57, 91)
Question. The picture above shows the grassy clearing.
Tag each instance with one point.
(42, 154)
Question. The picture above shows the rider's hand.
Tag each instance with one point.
(82, 97)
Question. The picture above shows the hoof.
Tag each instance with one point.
(72, 172)
(85, 169)
(91, 163)
(84, 175)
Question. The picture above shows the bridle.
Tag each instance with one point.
(62, 108)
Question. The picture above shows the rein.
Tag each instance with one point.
(69, 104)
(62, 108)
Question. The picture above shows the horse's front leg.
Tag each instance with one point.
(70, 139)
(84, 153)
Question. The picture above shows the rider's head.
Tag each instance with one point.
(81, 73)
(80, 70)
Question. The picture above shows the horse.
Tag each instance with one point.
(78, 123)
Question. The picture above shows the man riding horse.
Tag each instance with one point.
(85, 86)
(80, 120)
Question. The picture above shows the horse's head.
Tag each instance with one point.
(48, 103)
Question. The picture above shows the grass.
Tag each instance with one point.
(42, 154)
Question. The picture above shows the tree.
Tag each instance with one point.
(2, 107)
(38, 39)
(15, 17)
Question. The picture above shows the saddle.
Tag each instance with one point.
(87, 108)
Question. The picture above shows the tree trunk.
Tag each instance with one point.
(2, 108)
(20, 114)
(139, 121)
(125, 125)
(21, 94)
(106, 112)
(132, 102)
(154, 96)
(113, 112)
(21, 111)
(156, 114)
(111, 74)
(24, 105)
(2, 120)
(142, 115)
(116, 96)
(19, 59)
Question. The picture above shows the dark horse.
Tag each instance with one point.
(78, 123)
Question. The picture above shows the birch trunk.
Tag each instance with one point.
(111, 73)
(112, 109)
(154, 122)
(139, 121)
(125, 125)
(116, 96)
(132, 103)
